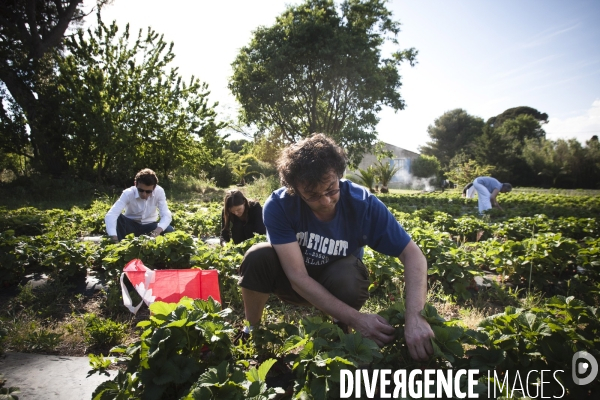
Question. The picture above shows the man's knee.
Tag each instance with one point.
(258, 255)
(348, 280)
(260, 268)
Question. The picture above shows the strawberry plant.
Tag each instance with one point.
(171, 251)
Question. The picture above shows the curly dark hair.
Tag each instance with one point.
(146, 177)
(309, 161)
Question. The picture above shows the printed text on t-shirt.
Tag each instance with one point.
(320, 244)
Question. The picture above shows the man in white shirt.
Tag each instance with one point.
(142, 204)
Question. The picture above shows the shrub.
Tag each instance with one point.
(103, 332)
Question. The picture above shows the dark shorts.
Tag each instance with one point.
(347, 278)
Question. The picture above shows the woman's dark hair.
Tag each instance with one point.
(146, 177)
(308, 162)
(234, 198)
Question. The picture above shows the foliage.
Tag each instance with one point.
(267, 147)
(461, 171)
(103, 332)
(367, 177)
(319, 69)
(563, 163)
(425, 166)
(452, 133)
(543, 338)
(125, 111)
(31, 34)
(183, 352)
(384, 172)
(502, 147)
(173, 251)
(513, 113)
(12, 260)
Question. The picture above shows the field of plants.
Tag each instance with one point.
(511, 291)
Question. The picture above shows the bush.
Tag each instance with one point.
(103, 332)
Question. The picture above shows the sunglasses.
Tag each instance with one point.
(145, 191)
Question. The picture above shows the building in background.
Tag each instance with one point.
(400, 157)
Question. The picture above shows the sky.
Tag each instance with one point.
(482, 56)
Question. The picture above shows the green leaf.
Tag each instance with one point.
(260, 374)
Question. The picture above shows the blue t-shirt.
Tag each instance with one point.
(489, 183)
(360, 219)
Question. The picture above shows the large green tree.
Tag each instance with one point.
(320, 69)
(31, 34)
(513, 113)
(502, 147)
(453, 133)
(124, 109)
(564, 163)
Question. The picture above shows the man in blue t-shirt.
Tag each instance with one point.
(487, 189)
(317, 225)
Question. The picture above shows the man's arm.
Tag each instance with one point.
(371, 326)
(113, 214)
(417, 331)
(493, 198)
(163, 209)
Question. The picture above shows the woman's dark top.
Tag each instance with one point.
(241, 230)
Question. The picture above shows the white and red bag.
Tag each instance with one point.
(168, 285)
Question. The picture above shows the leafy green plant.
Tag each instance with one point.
(103, 332)
(385, 171)
(173, 251)
(367, 178)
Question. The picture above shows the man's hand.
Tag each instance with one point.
(418, 334)
(374, 327)
(156, 232)
(114, 239)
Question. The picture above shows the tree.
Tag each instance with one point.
(238, 145)
(514, 112)
(31, 34)
(454, 132)
(367, 177)
(564, 163)
(268, 147)
(542, 158)
(384, 172)
(502, 147)
(318, 69)
(463, 170)
(425, 166)
(124, 110)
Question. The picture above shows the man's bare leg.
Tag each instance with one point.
(254, 304)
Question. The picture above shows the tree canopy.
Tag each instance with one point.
(124, 109)
(513, 113)
(320, 69)
(454, 132)
(31, 33)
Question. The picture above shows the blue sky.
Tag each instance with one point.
(479, 55)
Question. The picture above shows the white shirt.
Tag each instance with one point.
(138, 209)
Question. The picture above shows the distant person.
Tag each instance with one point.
(142, 204)
(240, 218)
(487, 190)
